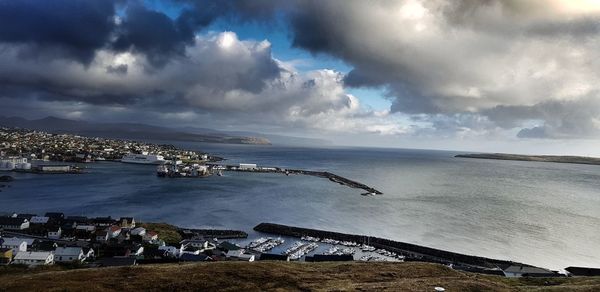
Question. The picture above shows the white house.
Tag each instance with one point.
(150, 235)
(197, 243)
(113, 231)
(88, 228)
(14, 243)
(39, 220)
(247, 166)
(69, 254)
(55, 233)
(34, 258)
(138, 231)
(240, 255)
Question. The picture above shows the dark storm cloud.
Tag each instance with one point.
(152, 33)
(78, 29)
(72, 29)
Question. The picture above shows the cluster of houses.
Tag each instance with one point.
(39, 146)
(33, 240)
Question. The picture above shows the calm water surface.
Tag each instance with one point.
(546, 214)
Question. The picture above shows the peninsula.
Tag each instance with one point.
(538, 158)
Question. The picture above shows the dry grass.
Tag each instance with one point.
(165, 231)
(281, 276)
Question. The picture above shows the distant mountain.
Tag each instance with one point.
(150, 132)
(275, 139)
(126, 131)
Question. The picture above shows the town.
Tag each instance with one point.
(78, 241)
(19, 145)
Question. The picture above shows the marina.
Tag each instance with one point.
(379, 249)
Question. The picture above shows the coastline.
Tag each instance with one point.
(536, 158)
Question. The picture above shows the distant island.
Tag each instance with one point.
(539, 158)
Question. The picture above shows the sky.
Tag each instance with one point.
(475, 75)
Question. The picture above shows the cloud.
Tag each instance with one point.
(450, 68)
(218, 79)
(464, 58)
(61, 28)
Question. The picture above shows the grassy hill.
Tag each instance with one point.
(281, 276)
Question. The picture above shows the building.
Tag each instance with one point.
(170, 250)
(113, 231)
(57, 216)
(127, 222)
(15, 244)
(274, 257)
(150, 236)
(54, 168)
(101, 236)
(87, 228)
(141, 231)
(583, 271)
(329, 258)
(196, 244)
(240, 255)
(527, 271)
(34, 258)
(6, 255)
(69, 254)
(10, 223)
(247, 166)
(55, 233)
(39, 220)
(103, 221)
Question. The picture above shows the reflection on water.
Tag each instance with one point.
(540, 213)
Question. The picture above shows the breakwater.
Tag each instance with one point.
(412, 252)
(218, 233)
(322, 174)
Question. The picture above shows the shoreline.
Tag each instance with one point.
(535, 158)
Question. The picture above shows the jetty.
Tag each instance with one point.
(244, 167)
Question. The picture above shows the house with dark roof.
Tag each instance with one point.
(329, 258)
(13, 223)
(583, 271)
(103, 221)
(58, 216)
(273, 257)
(528, 271)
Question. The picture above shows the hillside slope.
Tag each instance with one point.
(281, 276)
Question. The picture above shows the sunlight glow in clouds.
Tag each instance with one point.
(462, 69)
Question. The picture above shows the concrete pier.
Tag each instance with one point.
(323, 174)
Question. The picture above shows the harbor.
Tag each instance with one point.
(381, 249)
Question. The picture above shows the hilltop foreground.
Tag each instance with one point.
(281, 276)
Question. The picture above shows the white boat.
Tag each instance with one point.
(143, 158)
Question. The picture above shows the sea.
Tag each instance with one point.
(545, 214)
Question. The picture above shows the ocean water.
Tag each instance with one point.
(545, 214)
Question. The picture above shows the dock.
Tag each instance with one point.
(322, 174)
